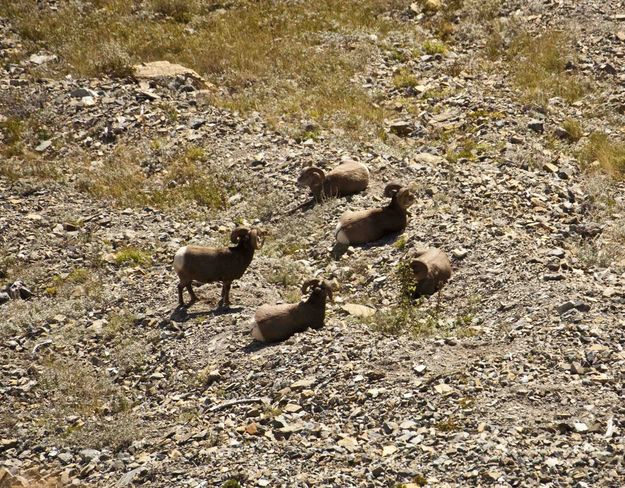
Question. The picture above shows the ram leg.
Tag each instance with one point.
(192, 293)
(225, 295)
(180, 290)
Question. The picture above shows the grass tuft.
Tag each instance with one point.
(573, 130)
(434, 47)
(132, 256)
(605, 153)
(404, 79)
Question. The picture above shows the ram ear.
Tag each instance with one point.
(391, 189)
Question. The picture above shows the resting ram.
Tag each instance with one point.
(370, 225)
(207, 264)
(431, 269)
(274, 323)
(347, 178)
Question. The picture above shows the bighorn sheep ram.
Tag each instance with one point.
(206, 264)
(431, 269)
(347, 178)
(274, 323)
(370, 225)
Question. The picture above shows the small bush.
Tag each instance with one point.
(434, 47)
(132, 256)
(113, 60)
(406, 318)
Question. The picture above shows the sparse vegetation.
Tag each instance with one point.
(405, 79)
(285, 273)
(603, 152)
(102, 358)
(178, 10)
(467, 149)
(434, 47)
(539, 67)
(189, 177)
(235, 47)
(132, 256)
(573, 130)
(78, 392)
(117, 323)
(78, 282)
(447, 425)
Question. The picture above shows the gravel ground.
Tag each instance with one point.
(518, 382)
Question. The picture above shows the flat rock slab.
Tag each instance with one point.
(427, 158)
(358, 310)
(164, 69)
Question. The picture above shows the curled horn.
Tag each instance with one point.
(308, 284)
(316, 173)
(327, 286)
(419, 269)
(257, 237)
(405, 197)
(238, 233)
(391, 189)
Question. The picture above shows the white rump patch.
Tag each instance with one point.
(179, 259)
(256, 333)
(340, 235)
(366, 169)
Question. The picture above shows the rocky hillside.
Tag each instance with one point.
(507, 117)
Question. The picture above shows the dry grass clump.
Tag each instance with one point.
(434, 47)
(289, 60)
(573, 130)
(178, 10)
(604, 201)
(23, 126)
(539, 67)
(603, 152)
(404, 79)
(285, 273)
(462, 19)
(189, 179)
(82, 405)
(131, 256)
(80, 282)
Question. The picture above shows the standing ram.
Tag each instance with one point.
(207, 264)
